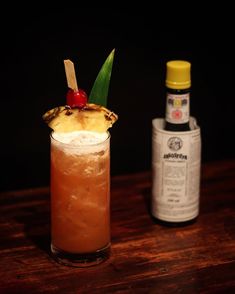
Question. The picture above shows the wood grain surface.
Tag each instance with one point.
(145, 258)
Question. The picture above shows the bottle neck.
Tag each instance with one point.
(177, 106)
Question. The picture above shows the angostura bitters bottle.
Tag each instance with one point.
(176, 153)
(178, 83)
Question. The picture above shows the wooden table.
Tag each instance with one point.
(146, 257)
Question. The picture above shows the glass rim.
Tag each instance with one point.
(69, 145)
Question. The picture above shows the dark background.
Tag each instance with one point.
(36, 41)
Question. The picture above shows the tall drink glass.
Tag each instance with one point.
(80, 202)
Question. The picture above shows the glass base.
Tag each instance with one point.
(80, 259)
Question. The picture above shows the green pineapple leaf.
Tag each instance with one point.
(100, 89)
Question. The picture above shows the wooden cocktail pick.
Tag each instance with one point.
(70, 75)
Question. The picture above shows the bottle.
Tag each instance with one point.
(178, 83)
(176, 153)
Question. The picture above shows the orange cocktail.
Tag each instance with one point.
(80, 199)
(80, 171)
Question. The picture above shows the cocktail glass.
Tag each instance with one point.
(80, 202)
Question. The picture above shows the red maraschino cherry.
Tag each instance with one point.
(76, 99)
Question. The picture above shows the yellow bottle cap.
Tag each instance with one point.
(178, 74)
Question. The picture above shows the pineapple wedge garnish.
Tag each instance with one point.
(92, 117)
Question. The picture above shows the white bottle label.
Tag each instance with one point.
(177, 108)
(176, 158)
